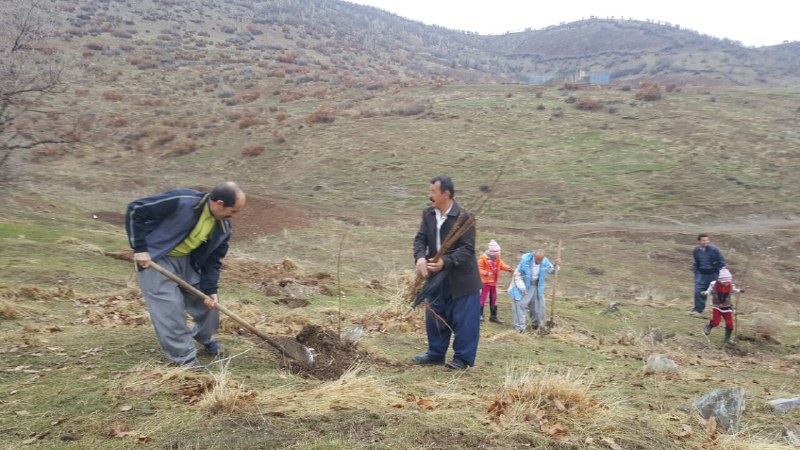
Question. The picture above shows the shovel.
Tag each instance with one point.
(552, 323)
(294, 350)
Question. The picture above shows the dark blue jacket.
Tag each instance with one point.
(159, 223)
(708, 261)
(459, 260)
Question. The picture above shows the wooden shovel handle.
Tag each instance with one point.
(555, 282)
(200, 294)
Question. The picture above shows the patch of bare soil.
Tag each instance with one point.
(294, 288)
(292, 302)
(284, 280)
(257, 273)
(112, 217)
(391, 320)
(262, 216)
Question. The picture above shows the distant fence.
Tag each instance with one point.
(591, 78)
(539, 80)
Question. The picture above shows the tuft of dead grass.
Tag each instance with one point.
(148, 379)
(7, 310)
(225, 394)
(559, 404)
(349, 392)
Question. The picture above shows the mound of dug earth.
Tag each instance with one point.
(332, 355)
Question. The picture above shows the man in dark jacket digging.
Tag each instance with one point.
(187, 233)
(456, 301)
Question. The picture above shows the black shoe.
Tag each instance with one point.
(214, 348)
(456, 364)
(425, 360)
(707, 330)
(728, 337)
(495, 320)
(192, 364)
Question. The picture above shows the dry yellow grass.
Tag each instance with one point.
(559, 404)
(225, 394)
(351, 391)
(7, 310)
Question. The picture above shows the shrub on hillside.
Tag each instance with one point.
(649, 92)
(150, 101)
(250, 96)
(233, 116)
(122, 34)
(248, 122)
(184, 147)
(569, 86)
(253, 150)
(412, 108)
(280, 116)
(585, 103)
(112, 96)
(291, 96)
(163, 138)
(287, 58)
(175, 122)
(142, 63)
(322, 115)
(47, 152)
(116, 121)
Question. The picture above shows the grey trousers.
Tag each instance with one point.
(168, 306)
(536, 307)
(530, 304)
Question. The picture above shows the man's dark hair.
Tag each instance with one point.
(445, 184)
(225, 192)
(701, 236)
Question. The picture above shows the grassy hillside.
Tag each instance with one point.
(334, 137)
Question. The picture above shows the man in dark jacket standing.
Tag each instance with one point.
(187, 233)
(708, 261)
(458, 299)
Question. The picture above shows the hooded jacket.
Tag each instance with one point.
(485, 266)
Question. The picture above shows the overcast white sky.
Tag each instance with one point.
(753, 23)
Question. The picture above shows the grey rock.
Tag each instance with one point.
(791, 435)
(657, 363)
(353, 336)
(781, 405)
(726, 405)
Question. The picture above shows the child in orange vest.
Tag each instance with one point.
(490, 265)
(721, 291)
